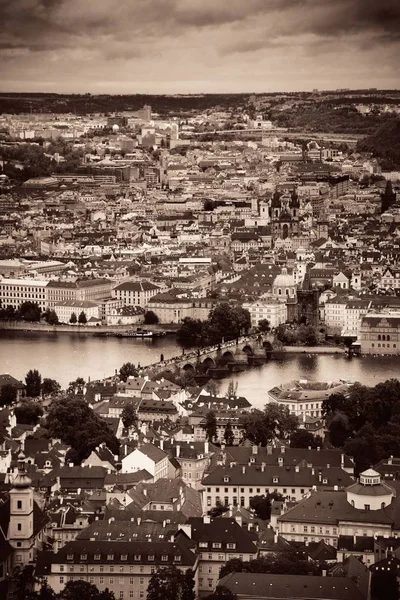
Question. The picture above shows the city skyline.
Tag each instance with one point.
(183, 46)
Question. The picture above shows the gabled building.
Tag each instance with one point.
(148, 457)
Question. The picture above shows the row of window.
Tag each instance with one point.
(383, 345)
(136, 557)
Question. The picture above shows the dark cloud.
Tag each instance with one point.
(36, 32)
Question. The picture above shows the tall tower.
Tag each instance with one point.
(20, 529)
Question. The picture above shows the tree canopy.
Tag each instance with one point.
(8, 394)
(28, 413)
(33, 382)
(225, 322)
(73, 421)
(170, 583)
(365, 422)
(128, 369)
(263, 426)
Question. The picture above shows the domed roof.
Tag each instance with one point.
(284, 279)
(21, 480)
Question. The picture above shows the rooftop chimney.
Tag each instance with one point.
(206, 447)
(162, 445)
(254, 449)
(342, 460)
(269, 449)
(178, 451)
(390, 460)
(283, 449)
(243, 469)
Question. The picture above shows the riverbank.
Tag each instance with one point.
(81, 329)
(313, 350)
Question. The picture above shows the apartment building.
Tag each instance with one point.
(380, 333)
(235, 485)
(13, 292)
(125, 567)
(135, 293)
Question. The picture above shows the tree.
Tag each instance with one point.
(165, 584)
(262, 506)
(82, 320)
(263, 426)
(73, 319)
(128, 369)
(232, 389)
(83, 590)
(304, 439)
(263, 325)
(33, 382)
(73, 421)
(221, 593)
(8, 394)
(50, 387)
(228, 434)
(150, 318)
(129, 416)
(29, 311)
(211, 425)
(191, 332)
(76, 387)
(339, 429)
(28, 413)
(218, 510)
(51, 317)
(188, 585)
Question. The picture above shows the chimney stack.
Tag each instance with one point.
(254, 449)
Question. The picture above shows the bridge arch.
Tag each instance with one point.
(228, 356)
(209, 363)
(248, 349)
(188, 368)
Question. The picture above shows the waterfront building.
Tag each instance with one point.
(65, 309)
(13, 292)
(267, 307)
(91, 290)
(304, 398)
(135, 293)
(380, 333)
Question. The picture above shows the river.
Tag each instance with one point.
(65, 357)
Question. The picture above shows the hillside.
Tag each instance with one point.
(384, 144)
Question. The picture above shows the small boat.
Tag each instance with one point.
(138, 333)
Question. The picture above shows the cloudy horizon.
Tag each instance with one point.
(197, 46)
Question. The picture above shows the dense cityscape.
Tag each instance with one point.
(214, 236)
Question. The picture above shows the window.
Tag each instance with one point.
(203, 545)
(150, 557)
(101, 580)
(61, 579)
(131, 580)
(121, 581)
(111, 580)
(121, 594)
(164, 558)
(231, 546)
(110, 556)
(367, 507)
(83, 556)
(137, 556)
(19, 526)
(131, 594)
(141, 581)
(97, 556)
(19, 504)
(124, 557)
(216, 545)
(112, 569)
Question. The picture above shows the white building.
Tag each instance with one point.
(135, 293)
(149, 458)
(65, 309)
(268, 308)
(13, 292)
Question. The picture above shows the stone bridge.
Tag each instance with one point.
(230, 356)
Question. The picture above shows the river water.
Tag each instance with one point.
(65, 357)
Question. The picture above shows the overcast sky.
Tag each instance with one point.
(193, 46)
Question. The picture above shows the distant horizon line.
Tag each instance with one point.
(216, 93)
